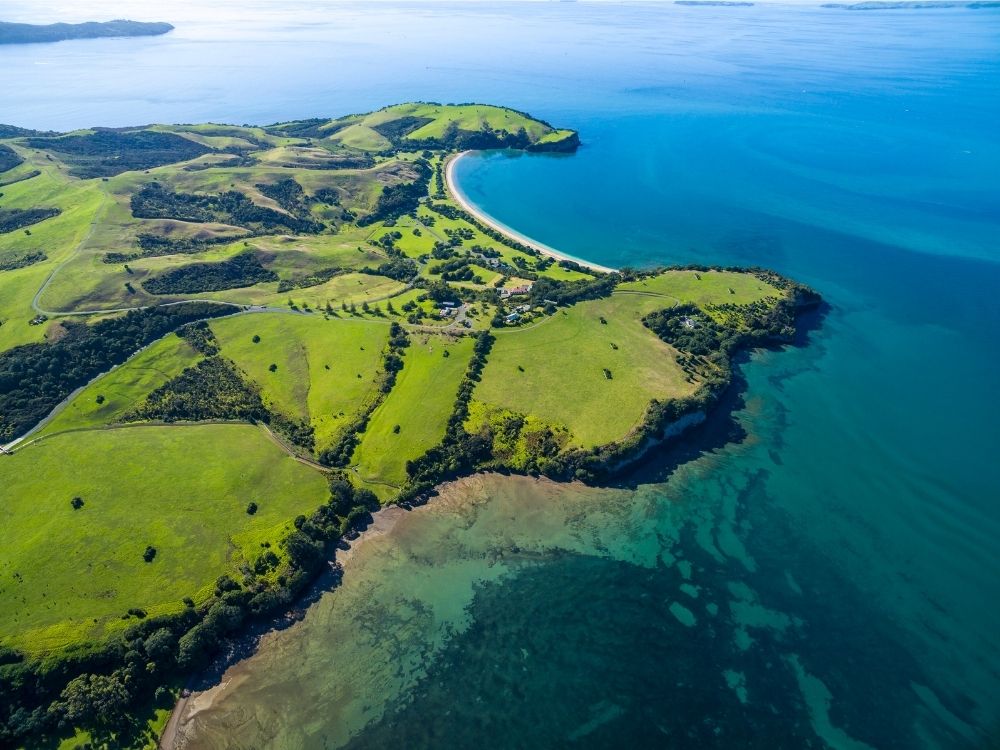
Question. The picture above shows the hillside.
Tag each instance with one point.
(244, 340)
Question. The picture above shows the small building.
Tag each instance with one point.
(512, 318)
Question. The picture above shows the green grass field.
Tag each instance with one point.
(420, 404)
(125, 386)
(67, 576)
(704, 287)
(58, 238)
(325, 368)
(563, 359)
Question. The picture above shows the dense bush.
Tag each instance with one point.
(396, 130)
(400, 269)
(212, 389)
(154, 201)
(18, 218)
(23, 260)
(8, 158)
(201, 337)
(396, 200)
(288, 194)
(240, 271)
(105, 153)
(36, 377)
(570, 292)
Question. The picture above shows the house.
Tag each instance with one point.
(512, 318)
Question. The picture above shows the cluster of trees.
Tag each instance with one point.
(397, 200)
(154, 245)
(154, 201)
(212, 389)
(455, 138)
(451, 212)
(570, 292)
(400, 269)
(239, 160)
(18, 218)
(454, 270)
(521, 443)
(288, 194)
(8, 158)
(313, 127)
(239, 271)
(105, 152)
(36, 377)
(199, 334)
(687, 329)
(339, 454)
(313, 279)
(30, 258)
(396, 130)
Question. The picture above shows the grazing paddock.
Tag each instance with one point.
(68, 576)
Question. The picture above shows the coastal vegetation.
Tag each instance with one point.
(245, 340)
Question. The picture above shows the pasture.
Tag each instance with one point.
(324, 369)
(68, 576)
(419, 405)
(554, 369)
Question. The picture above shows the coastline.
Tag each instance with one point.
(197, 701)
(468, 206)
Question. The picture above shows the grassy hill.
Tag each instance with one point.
(70, 576)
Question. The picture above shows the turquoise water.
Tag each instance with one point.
(824, 569)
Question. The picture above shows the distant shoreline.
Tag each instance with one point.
(465, 203)
(30, 33)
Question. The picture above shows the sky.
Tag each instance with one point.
(175, 11)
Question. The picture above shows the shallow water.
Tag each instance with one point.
(845, 536)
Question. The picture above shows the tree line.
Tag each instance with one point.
(36, 377)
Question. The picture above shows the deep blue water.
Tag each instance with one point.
(857, 152)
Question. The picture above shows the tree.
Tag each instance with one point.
(96, 699)
(159, 646)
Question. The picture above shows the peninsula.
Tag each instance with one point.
(29, 33)
(223, 347)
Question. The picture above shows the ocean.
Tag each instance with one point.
(817, 567)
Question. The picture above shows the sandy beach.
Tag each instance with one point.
(464, 202)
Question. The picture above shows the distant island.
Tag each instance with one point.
(29, 33)
(913, 5)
